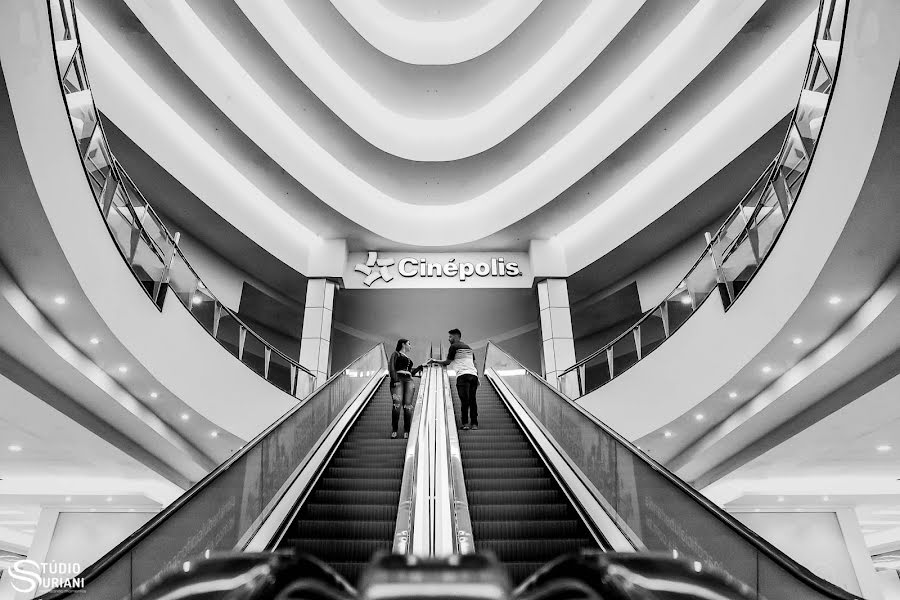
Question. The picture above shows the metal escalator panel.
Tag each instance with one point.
(517, 508)
(225, 509)
(351, 512)
(653, 508)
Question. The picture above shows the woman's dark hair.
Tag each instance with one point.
(400, 343)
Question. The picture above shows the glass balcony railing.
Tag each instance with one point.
(738, 249)
(654, 509)
(142, 238)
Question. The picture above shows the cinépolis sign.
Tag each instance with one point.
(396, 270)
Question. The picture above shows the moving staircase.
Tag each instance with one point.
(518, 510)
(351, 511)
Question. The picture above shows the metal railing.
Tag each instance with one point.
(144, 241)
(734, 254)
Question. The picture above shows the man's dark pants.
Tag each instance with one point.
(467, 385)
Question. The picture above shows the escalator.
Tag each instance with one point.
(351, 512)
(517, 508)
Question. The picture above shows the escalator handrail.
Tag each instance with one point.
(120, 550)
(760, 543)
(767, 173)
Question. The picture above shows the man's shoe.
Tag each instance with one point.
(405, 435)
(465, 427)
(474, 426)
(393, 435)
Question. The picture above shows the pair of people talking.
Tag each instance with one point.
(460, 359)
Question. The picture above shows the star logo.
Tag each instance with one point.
(375, 268)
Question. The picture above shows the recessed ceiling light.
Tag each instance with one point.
(781, 498)
(95, 340)
(93, 510)
(109, 498)
(883, 448)
(699, 416)
(732, 395)
(214, 434)
(123, 369)
(825, 498)
(130, 510)
(154, 395)
(68, 498)
(14, 448)
(685, 299)
(797, 341)
(767, 369)
(185, 416)
(834, 300)
(755, 510)
(60, 300)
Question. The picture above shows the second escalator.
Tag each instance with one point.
(517, 508)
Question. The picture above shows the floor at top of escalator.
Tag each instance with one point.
(352, 510)
(517, 509)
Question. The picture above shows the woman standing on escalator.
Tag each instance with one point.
(401, 369)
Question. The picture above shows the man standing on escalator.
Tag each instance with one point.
(461, 359)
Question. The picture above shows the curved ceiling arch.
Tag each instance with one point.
(406, 34)
(659, 78)
(444, 116)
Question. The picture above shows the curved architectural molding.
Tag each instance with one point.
(436, 41)
(650, 87)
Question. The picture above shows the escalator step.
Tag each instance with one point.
(344, 530)
(499, 530)
(353, 512)
(509, 484)
(364, 472)
(539, 497)
(343, 484)
(500, 453)
(518, 549)
(351, 496)
(472, 474)
(511, 463)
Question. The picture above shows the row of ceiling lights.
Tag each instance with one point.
(767, 369)
(61, 300)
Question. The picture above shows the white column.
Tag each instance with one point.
(556, 327)
(315, 343)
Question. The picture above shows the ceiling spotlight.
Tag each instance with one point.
(883, 448)
(154, 395)
(93, 510)
(215, 434)
(109, 498)
(123, 369)
(130, 510)
(755, 510)
(825, 498)
(781, 498)
(95, 340)
(797, 341)
(60, 300)
(732, 395)
(68, 498)
(185, 416)
(834, 300)
(699, 416)
(767, 369)
(14, 448)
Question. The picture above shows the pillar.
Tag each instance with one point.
(315, 342)
(556, 328)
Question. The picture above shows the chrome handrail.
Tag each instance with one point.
(772, 181)
(757, 541)
(118, 181)
(463, 538)
(403, 529)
